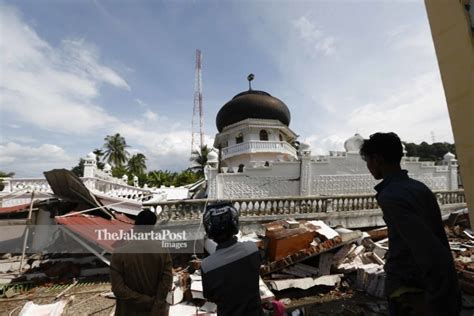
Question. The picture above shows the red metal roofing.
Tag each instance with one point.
(15, 209)
(87, 226)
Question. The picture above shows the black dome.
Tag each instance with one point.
(252, 104)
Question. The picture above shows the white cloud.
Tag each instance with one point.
(31, 161)
(413, 111)
(150, 115)
(322, 145)
(315, 38)
(53, 88)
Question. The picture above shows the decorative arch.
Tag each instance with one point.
(263, 135)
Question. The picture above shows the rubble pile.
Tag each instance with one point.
(461, 241)
(302, 262)
(307, 257)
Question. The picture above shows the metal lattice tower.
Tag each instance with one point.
(197, 108)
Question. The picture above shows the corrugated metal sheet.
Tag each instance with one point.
(86, 226)
(69, 187)
(15, 209)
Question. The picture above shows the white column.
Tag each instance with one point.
(305, 174)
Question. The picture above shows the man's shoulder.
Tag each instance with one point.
(406, 190)
(228, 255)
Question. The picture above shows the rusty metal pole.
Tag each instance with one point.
(27, 231)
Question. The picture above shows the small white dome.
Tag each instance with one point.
(91, 155)
(353, 144)
(212, 157)
(107, 167)
(449, 156)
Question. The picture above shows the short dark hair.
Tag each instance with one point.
(387, 145)
(146, 217)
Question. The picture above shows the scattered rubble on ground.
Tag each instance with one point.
(305, 264)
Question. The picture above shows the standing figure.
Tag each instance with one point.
(421, 278)
(141, 273)
(230, 276)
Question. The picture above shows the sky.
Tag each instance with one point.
(73, 72)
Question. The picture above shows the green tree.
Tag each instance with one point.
(119, 171)
(411, 149)
(78, 170)
(186, 177)
(136, 165)
(115, 152)
(200, 158)
(157, 178)
(6, 174)
(433, 152)
(99, 153)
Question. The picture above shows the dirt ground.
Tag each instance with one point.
(87, 300)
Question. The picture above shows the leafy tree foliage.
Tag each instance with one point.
(78, 170)
(427, 152)
(116, 153)
(136, 165)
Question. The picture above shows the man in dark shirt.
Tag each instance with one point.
(421, 278)
(230, 276)
(141, 273)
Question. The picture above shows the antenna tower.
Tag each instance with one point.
(197, 108)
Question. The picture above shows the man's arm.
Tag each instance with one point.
(431, 256)
(120, 289)
(164, 285)
(207, 290)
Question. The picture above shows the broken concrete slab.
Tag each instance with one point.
(305, 283)
(322, 229)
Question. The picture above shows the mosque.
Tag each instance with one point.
(260, 156)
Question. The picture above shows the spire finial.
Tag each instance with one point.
(250, 78)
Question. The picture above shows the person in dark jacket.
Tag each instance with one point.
(230, 276)
(141, 273)
(421, 278)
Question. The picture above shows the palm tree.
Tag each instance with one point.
(136, 164)
(157, 178)
(99, 153)
(200, 158)
(115, 150)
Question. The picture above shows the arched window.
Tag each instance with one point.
(241, 168)
(239, 138)
(267, 164)
(263, 135)
(281, 137)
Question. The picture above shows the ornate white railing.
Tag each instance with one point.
(258, 146)
(191, 209)
(110, 188)
(26, 184)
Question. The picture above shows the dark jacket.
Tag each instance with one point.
(141, 280)
(230, 278)
(419, 255)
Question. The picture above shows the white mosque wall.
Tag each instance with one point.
(337, 174)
